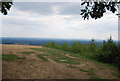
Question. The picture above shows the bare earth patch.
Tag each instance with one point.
(32, 67)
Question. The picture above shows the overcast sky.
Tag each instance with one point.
(56, 20)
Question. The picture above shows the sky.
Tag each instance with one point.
(56, 20)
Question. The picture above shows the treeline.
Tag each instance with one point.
(108, 52)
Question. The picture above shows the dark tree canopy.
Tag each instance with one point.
(5, 6)
(97, 9)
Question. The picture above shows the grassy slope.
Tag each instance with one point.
(72, 61)
(60, 57)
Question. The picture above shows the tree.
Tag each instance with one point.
(5, 6)
(97, 9)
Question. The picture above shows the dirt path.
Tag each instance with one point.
(32, 67)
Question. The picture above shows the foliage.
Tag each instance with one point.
(65, 46)
(93, 46)
(97, 9)
(76, 47)
(108, 52)
(52, 44)
(5, 6)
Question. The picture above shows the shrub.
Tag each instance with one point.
(77, 47)
(65, 47)
(108, 52)
(86, 47)
(92, 46)
(51, 44)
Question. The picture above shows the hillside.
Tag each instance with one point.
(37, 62)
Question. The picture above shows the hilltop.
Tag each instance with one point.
(38, 62)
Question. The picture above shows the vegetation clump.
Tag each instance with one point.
(108, 52)
(10, 57)
(42, 57)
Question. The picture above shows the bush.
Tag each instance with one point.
(51, 44)
(108, 52)
(92, 46)
(65, 47)
(77, 47)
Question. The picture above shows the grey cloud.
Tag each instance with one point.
(34, 7)
(72, 8)
(46, 8)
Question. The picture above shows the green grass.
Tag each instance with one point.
(101, 65)
(114, 74)
(27, 52)
(58, 55)
(64, 59)
(10, 57)
(42, 57)
(57, 60)
(48, 50)
(87, 57)
(90, 73)
(71, 62)
(98, 64)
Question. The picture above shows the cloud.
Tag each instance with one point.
(47, 0)
(26, 22)
(35, 7)
(48, 8)
(70, 9)
(56, 20)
